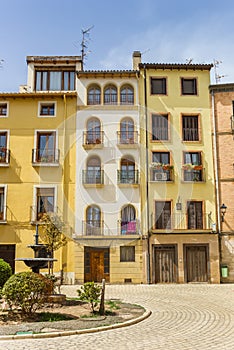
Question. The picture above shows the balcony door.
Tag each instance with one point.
(93, 221)
(127, 170)
(45, 146)
(128, 220)
(127, 131)
(93, 131)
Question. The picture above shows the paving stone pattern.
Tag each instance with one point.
(184, 317)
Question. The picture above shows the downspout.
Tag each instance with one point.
(147, 178)
(64, 173)
(216, 173)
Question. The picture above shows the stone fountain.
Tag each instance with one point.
(41, 258)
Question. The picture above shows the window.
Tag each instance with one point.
(127, 173)
(128, 220)
(46, 109)
(93, 174)
(163, 215)
(193, 170)
(2, 203)
(3, 109)
(45, 201)
(190, 128)
(4, 153)
(194, 214)
(127, 131)
(45, 151)
(159, 127)
(161, 168)
(55, 80)
(189, 86)
(93, 135)
(94, 95)
(110, 95)
(127, 95)
(158, 86)
(127, 254)
(93, 221)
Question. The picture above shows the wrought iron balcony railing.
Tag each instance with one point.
(45, 156)
(194, 174)
(182, 221)
(36, 214)
(3, 212)
(127, 137)
(161, 174)
(129, 227)
(4, 155)
(130, 177)
(93, 176)
(93, 138)
(93, 228)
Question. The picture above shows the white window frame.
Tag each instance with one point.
(35, 146)
(4, 204)
(45, 103)
(7, 146)
(7, 103)
(35, 187)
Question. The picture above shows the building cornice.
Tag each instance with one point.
(177, 66)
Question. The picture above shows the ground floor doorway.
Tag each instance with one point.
(96, 264)
(196, 263)
(7, 253)
(165, 264)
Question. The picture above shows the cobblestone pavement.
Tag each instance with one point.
(184, 317)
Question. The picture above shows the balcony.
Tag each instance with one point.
(92, 177)
(129, 227)
(93, 228)
(4, 156)
(162, 174)
(127, 139)
(93, 139)
(182, 221)
(3, 211)
(45, 157)
(196, 173)
(36, 215)
(128, 177)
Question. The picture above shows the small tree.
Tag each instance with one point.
(53, 234)
(5, 272)
(27, 290)
(90, 292)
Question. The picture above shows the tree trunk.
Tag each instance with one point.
(102, 302)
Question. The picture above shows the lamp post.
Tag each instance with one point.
(223, 209)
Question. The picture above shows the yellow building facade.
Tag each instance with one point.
(178, 196)
(35, 131)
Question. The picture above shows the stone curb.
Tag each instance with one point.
(146, 314)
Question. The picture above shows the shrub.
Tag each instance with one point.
(5, 272)
(27, 290)
(90, 292)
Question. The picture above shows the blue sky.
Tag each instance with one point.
(164, 31)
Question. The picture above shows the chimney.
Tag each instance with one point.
(136, 59)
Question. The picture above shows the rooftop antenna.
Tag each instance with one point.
(1, 63)
(218, 77)
(189, 60)
(85, 39)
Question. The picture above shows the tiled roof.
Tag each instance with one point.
(38, 94)
(185, 66)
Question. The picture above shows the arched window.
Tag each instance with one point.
(93, 221)
(93, 171)
(128, 220)
(127, 95)
(127, 174)
(94, 95)
(127, 131)
(110, 95)
(93, 131)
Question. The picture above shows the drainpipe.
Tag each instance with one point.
(216, 173)
(147, 178)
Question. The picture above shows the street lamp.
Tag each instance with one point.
(223, 209)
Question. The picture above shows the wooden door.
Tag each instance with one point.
(7, 253)
(196, 263)
(96, 264)
(165, 264)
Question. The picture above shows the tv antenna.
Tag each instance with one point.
(84, 43)
(189, 60)
(218, 77)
